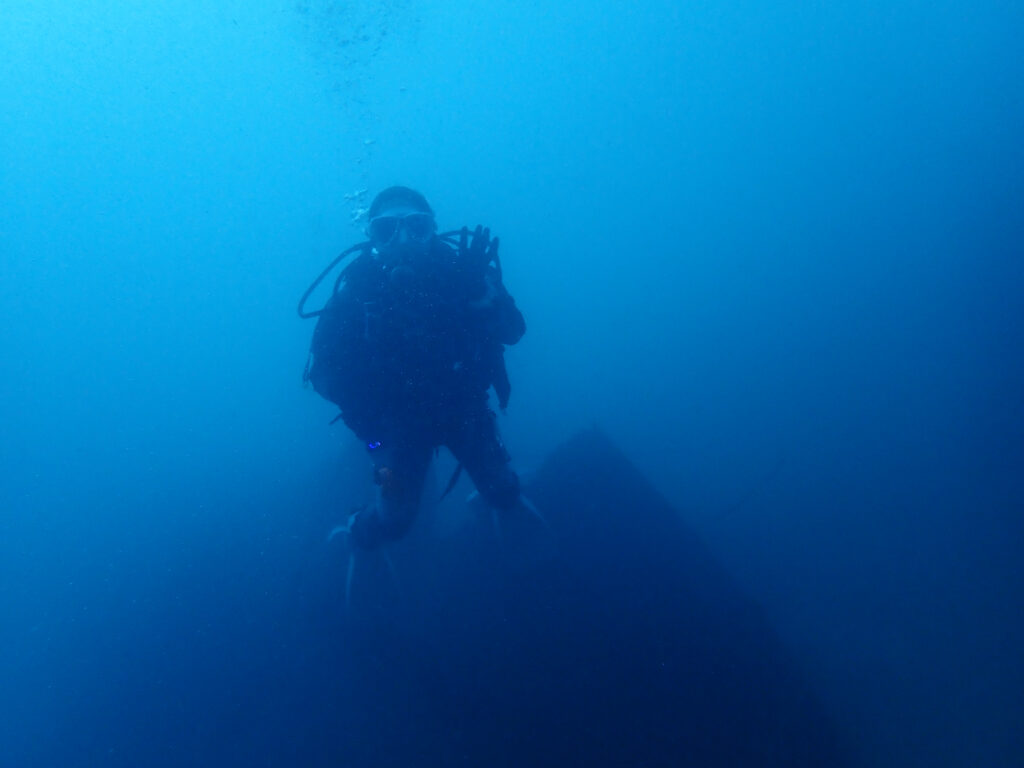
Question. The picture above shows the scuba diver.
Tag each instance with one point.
(407, 346)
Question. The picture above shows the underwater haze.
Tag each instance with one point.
(773, 252)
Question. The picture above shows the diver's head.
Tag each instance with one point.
(401, 223)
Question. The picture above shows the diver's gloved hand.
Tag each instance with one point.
(482, 249)
(478, 253)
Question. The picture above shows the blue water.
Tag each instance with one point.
(775, 252)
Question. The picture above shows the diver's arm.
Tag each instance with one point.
(504, 321)
(340, 359)
(509, 324)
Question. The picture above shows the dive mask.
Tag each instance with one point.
(418, 226)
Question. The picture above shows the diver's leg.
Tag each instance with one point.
(475, 442)
(521, 530)
(400, 472)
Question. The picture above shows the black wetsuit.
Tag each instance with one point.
(408, 358)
